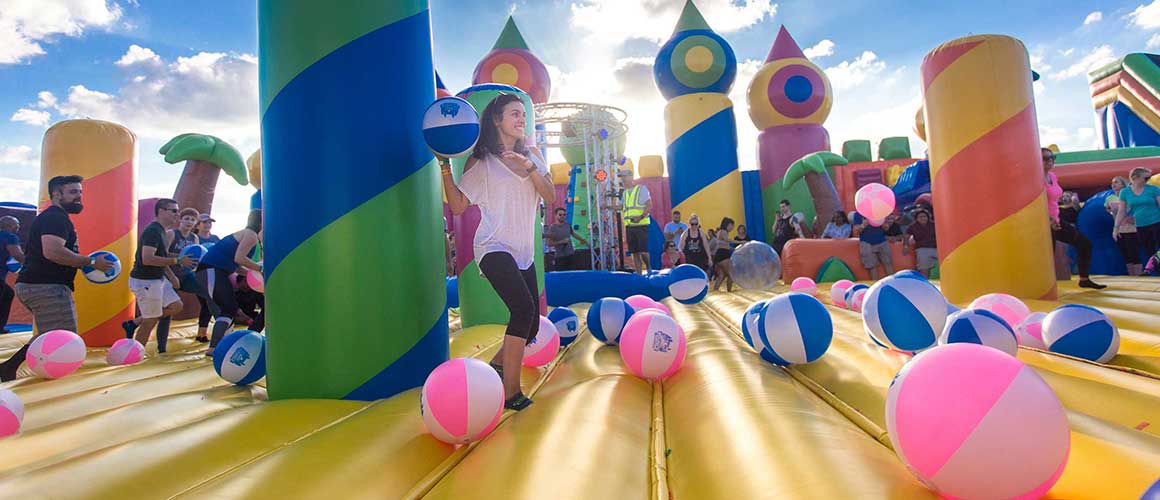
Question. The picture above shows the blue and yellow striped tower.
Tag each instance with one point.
(354, 312)
(694, 71)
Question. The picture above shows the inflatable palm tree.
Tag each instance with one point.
(205, 157)
(813, 167)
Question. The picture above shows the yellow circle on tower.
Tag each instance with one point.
(699, 59)
(505, 73)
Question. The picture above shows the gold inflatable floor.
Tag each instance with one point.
(728, 425)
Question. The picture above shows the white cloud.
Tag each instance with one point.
(22, 156)
(14, 189)
(31, 117)
(617, 21)
(1094, 17)
(211, 93)
(1038, 61)
(1079, 139)
(1098, 56)
(138, 55)
(850, 74)
(24, 24)
(1068, 52)
(45, 100)
(1154, 42)
(822, 49)
(1146, 16)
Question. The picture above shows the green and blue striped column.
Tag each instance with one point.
(356, 305)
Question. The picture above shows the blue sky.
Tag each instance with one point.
(164, 67)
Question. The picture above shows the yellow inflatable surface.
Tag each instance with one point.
(728, 425)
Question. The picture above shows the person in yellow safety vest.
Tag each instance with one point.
(637, 205)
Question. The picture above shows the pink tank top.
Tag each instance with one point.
(1054, 193)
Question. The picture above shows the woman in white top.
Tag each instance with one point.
(506, 180)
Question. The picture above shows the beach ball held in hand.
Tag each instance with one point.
(11, 413)
(652, 345)
(567, 324)
(544, 346)
(689, 284)
(461, 400)
(56, 353)
(804, 285)
(904, 314)
(979, 326)
(14, 266)
(756, 266)
(606, 319)
(102, 277)
(1030, 331)
(1008, 307)
(971, 422)
(450, 127)
(795, 328)
(838, 292)
(1081, 331)
(874, 201)
(196, 252)
(240, 357)
(125, 352)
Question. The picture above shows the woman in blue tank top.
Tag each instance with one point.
(221, 260)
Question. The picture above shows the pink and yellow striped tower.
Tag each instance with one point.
(105, 154)
(987, 175)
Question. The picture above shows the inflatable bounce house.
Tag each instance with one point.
(371, 380)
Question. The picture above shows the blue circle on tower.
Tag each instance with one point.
(798, 88)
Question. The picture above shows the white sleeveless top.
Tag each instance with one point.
(508, 208)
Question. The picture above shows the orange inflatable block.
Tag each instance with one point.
(803, 257)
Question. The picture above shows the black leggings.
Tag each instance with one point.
(518, 290)
(1149, 238)
(1067, 233)
(6, 297)
(221, 291)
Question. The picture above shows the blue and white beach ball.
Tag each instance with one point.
(606, 319)
(689, 284)
(102, 277)
(980, 326)
(795, 328)
(850, 293)
(1081, 331)
(749, 323)
(14, 265)
(904, 314)
(240, 357)
(567, 323)
(909, 273)
(450, 127)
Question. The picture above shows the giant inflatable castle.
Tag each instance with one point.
(994, 376)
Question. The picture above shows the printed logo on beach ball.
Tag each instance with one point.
(450, 127)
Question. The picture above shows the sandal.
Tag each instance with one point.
(498, 369)
(517, 402)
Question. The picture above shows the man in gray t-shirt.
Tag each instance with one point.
(559, 236)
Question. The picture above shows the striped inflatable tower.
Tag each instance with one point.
(694, 71)
(987, 175)
(478, 302)
(105, 154)
(354, 312)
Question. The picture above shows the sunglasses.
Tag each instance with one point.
(174, 210)
(1048, 157)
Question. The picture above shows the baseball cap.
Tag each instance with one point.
(204, 217)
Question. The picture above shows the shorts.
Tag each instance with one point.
(872, 255)
(1129, 246)
(637, 237)
(927, 258)
(721, 255)
(153, 296)
(51, 305)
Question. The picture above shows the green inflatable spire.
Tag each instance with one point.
(691, 19)
(510, 38)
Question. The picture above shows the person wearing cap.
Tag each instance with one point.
(637, 205)
(204, 226)
(921, 236)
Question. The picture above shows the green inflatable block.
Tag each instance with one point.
(834, 269)
(857, 150)
(894, 148)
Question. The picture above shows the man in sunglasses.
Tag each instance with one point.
(152, 280)
(559, 235)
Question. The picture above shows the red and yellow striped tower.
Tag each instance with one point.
(987, 175)
(105, 154)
